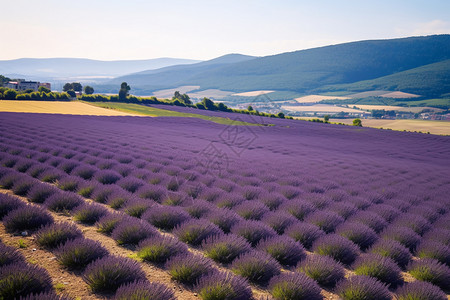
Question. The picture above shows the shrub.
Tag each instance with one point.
(78, 253)
(9, 203)
(325, 220)
(18, 280)
(130, 184)
(68, 183)
(278, 220)
(132, 231)
(271, 200)
(63, 202)
(225, 248)
(304, 233)
(199, 209)
(228, 201)
(86, 188)
(424, 211)
(224, 218)
(257, 267)
(159, 248)
(51, 175)
(9, 256)
(135, 207)
(298, 208)
(433, 249)
(252, 231)
(385, 211)
(188, 268)
(165, 217)
(26, 218)
(404, 235)
(380, 267)
(22, 186)
(107, 176)
(294, 286)
(430, 270)
(343, 209)
(23, 166)
(151, 192)
(392, 249)
(175, 199)
(7, 181)
(362, 287)
(337, 247)
(36, 170)
(250, 193)
(68, 167)
(51, 236)
(145, 291)
(117, 200)
(323, 269)
(370, 219)
(415, 222)
(360, 234)
(107, 274)
(290, 192)
(251, 210)
(40, 192)
(107, 223)
(420, 290)
(194, 231)
(438, 234)
(89, 213)
(223, 286)
(284, 249)
(44, 296)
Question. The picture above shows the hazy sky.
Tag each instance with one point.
(204, 29)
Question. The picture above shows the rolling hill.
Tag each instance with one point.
(412, 61)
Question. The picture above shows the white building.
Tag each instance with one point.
(23, 85)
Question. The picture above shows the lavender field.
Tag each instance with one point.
(182, 208)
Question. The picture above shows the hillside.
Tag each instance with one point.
(307, 70)
(72, 67)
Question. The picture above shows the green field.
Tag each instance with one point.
(157, 112)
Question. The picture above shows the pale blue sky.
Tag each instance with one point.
(204, 29)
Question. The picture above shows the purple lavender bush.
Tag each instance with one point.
(68, 166)
(107, 274)
(434, 249)
(9, 256)
(298, 208)
(420, 290)
(225, 248)
(439, 235)
(107, 176)
(430, 270)
(343, 209)
(44, 296)
(392, 249)
(271, 200)
(304, 233)
(86, 172)
(337, 247)
(224, 218)
(294, 286)
(51, 175)
(404, 235)
(256, 266)
(284, 249)
(252, 231)
(9, 203)
(358, 233)
(52, 235)
(102, 193)
(278, 220)
(26, 218)
(323, 269)
(200, 208)
(370, 219)
(23, 185)
(63, 202)
(380, 267)
(89, 213)
(362, 287)
(159, 248)
(194, 231)
(415, 222)
(108, 222)
(325, 220)
(251, 210)
(155, 193)
(223, 286)
(385, 211)
(135, 207)
(17, 280)
(79, 252)
(69, 183)
(130, 184)
(188, 268)
(144, 290)
(165, 217)
(116, 200)
(40, 192)
(131, 231)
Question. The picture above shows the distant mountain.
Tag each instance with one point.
(313, 69)
(85, 68)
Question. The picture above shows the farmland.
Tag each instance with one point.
(185, 208)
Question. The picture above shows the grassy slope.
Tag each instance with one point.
(156, 112)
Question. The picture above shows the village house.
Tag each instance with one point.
(23, 85)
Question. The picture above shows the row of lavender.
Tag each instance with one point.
(315, 209)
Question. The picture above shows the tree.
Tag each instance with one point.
(280, 115)
(67, 87)
(71, 93)
(4, 80)
(326, 118)
(183, 98)
(357, 122)
(43, 89)
(124, 91)
(77, 87)
(10, 94)
(88, 90)
(250, 108)
(208, 104)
